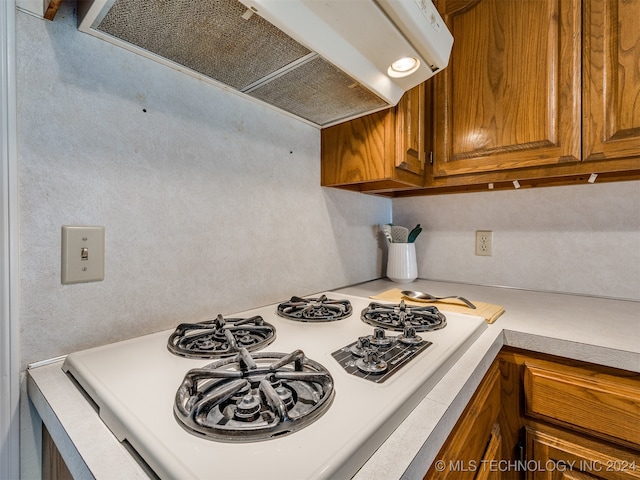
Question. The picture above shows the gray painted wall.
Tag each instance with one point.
(579, 239)
(211, 203)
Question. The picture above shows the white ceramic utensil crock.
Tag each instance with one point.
(402, 266)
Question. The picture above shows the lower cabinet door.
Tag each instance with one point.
(489, 468)
(462, 454)
(555, 454)
(53, 466)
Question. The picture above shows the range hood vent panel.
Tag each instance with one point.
(319, 92)
(309, 65)
(208, 36)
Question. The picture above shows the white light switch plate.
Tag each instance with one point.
(82, 254)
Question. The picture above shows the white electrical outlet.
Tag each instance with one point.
(82, 254)
(484, 242)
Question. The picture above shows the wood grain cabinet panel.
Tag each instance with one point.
(611, 90)
(53, 466)
(489, 467)
(558, 419)
(354, 152)
(545, 92)
(410, 131)
(559, 455)
(510, 97)
(475, 437)
(602, 405)
(381, 152)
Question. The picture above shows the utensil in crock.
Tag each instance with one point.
(399, 234)
(386, 230)
(413, 234)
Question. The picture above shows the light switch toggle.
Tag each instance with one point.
(82, 267)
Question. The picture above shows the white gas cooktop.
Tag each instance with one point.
(134, 384)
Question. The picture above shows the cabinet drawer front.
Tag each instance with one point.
(599, 404)
(569, 457)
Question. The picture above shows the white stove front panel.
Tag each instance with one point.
(134, 384)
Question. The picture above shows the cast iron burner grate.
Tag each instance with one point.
(321, 309)
(253, 396)
(221, 337)
(397, 317)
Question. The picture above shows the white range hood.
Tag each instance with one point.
(324, 61)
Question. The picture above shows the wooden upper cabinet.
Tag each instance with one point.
(545, 92)
(611, 85)
(380, 152)
(410, 131)
(510, 97)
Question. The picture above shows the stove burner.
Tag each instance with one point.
(397, 317)
(220, 337)
(253, 396)
(319, 309)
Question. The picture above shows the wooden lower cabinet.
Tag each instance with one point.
(556, 454)
(585, 399)
(489, 468)
(540, 417)
(475, 438)
(53, 466)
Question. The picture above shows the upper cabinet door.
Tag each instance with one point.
(410, 131)
(611, 98)
(510, 97)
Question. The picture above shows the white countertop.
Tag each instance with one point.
(597, 330)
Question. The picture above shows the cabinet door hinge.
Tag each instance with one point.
(431, 157)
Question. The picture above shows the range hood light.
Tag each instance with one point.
(403, 67)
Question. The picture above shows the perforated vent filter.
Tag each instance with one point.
(319, 92)
(212, 38)
(208, 36)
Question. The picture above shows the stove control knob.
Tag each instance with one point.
(371, 362)
(371, 356)
(380, 339)
(409, 331)
(363, 343)
(409, 336)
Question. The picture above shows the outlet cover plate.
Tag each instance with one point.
(82, 254)
(484, 243)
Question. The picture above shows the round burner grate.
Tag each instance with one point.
(398, 316)
(253, 396)
(321, 309)
(221, 337)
